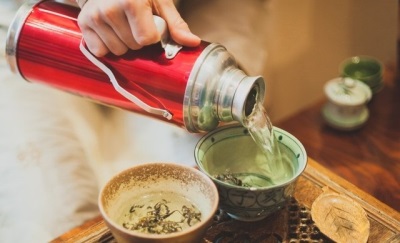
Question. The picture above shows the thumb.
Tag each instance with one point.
(180, 33)
(177, 27)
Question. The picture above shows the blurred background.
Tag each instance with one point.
(309, 39)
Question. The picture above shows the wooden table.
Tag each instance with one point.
(369, 157)
(291, 224)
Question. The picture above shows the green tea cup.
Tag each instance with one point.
(232, 148)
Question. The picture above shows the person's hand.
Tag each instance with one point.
(117, 26)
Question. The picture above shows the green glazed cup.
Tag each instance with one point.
(367, 69)
(232, 147)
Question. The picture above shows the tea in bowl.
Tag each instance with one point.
(158, 202)
(231, 158)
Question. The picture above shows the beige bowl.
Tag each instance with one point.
(128, 195)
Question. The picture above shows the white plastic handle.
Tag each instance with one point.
(119, 88)
(171, 49)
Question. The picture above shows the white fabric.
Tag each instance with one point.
(7, 12)
(57, 150)
(46, 184)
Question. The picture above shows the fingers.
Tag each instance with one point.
(99, 36)
(117, 26)
(140, 18)
(95, 43)
(119, 23)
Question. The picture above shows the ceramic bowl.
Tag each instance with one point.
(367, 69)
(232, 148)
(159, 189)
(346, 108)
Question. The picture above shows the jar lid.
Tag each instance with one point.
(347, 91)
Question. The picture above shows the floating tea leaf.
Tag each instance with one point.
(245, 179)
(157, 215)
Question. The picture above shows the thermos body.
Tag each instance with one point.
(43, 47)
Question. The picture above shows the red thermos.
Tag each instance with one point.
(195, 88)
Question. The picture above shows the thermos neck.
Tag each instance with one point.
(238, 95)
(249, 93)
(218, 91)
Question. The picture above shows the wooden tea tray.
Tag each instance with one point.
(291, 224)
